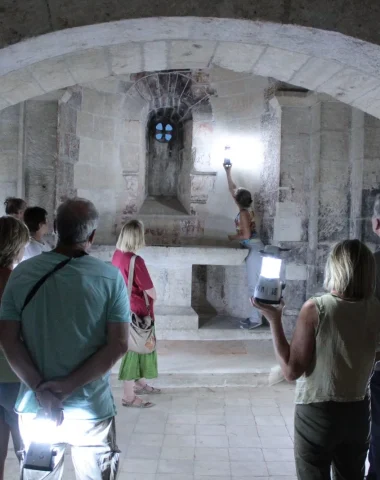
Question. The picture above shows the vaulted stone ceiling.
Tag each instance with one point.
(327, 62)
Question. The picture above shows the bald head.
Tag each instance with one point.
(77, 220)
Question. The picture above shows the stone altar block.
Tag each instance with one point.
(171, 272)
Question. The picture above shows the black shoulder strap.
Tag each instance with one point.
(42, 280)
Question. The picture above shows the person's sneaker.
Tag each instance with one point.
(246, 321)
(250, 325)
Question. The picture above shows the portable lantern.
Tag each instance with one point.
(227, 156)
(270, 284)
(40, 453)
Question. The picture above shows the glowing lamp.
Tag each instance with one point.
(40, 452)
(227, 156)
(270, 284)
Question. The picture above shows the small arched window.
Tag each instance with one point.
(164, 132)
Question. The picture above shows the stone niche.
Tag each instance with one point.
(169, 163)
(173, 178)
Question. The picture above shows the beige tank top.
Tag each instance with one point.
(346, 343)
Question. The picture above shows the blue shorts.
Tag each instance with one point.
(8, 397)
(251, 241)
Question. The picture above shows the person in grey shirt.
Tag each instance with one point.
(374, 449)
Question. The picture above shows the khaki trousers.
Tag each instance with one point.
(93, 449)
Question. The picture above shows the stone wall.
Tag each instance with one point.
(103, 134)
(68, 143)
(11, 149)
(111, 170)
(238, 111)
(329, 175)
(40, 154)
(28, 153)
(312, 163)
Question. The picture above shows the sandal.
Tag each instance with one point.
(137, 404)
(146, 390)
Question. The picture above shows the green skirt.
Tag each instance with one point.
(136, 365)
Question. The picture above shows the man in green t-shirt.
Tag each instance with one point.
(74, 329)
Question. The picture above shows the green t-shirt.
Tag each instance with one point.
(66, 323)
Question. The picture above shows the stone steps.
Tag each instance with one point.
(184, 325)
(213, 334)
(217, 363)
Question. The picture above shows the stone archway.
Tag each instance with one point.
(328, 62)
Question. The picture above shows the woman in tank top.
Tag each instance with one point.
(246, 234)
(331, 356)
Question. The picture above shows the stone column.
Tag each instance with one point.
(314, 191)
(371, 178)
(21, 149)
(11, 141)
(356, 156)
(296, 218)
(334, 179)
(40, 153)
(68, 144)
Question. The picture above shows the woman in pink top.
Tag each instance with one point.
(136, 367)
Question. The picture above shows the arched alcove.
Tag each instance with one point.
(166, 158)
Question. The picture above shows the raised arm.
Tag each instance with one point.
(296, 357)
(231, 185)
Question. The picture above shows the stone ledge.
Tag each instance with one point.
(180, 257)
(296, 99)
(215, 334)
(175, 318)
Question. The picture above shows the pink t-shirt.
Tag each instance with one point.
(141, 281)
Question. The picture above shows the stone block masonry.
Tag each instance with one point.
(310, 161)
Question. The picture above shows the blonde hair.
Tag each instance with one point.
(131, 237)
(350, 270)
(14, 235)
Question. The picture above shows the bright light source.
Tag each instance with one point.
(39, 446)
(271, 267)
(43, 430)
(244, 151)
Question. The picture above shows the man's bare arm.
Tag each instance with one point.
(97, 365)
(17, 354)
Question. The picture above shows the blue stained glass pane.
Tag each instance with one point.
(159, 126)
(159, 136)
(168, 128)
(168, 137)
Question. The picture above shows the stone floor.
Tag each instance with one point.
(204, 434)
(217, 357)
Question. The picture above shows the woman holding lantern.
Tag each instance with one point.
(331, 356)
(247, 235)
